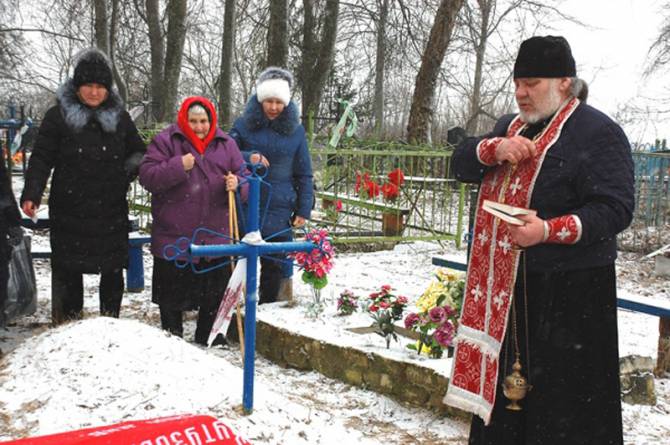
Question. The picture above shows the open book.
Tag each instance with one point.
(506, 212)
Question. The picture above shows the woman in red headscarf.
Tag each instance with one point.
(189, 169)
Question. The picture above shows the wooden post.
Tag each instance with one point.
(663, 360)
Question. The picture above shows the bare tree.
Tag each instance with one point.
(157, 46)
(480, 35)
(317, 53)
(380, 67)
(226, 77)
(101, 25)
(659, 52)
(421, 110)
(174, 49)
(165, 57)
(105, 25)
(277, 37)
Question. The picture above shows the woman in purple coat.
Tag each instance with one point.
(189, 169)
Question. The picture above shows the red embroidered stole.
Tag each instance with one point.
(492, 274)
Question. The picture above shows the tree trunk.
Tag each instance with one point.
(157, 48)
(277, 37)
(421, 111)
(105, 31)
(317, 55)
(472, 124)
(120, 84)
(226, 75)
(174, 50)
(101, 26)
(380, 68)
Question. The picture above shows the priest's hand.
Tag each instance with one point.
(515, 150)
(529, 234)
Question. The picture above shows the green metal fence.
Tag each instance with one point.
(429, 205)
(652, 194)
(651, 221)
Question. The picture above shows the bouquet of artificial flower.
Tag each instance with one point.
(347, 303)
(316, 265)
(385, 308)
(437, 320)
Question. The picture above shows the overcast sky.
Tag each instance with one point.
(611, 56)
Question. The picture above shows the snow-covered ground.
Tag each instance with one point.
(100, 371)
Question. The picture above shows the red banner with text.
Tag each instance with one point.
(176, 430)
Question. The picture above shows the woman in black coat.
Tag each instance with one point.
(94, 150)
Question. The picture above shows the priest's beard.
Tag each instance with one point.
(545, 107)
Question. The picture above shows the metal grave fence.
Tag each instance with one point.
(357, 203)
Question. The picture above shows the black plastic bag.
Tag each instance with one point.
(21, 286)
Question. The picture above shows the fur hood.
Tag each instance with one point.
(77, 115)
(285, 124)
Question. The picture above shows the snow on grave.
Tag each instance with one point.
(100, 371)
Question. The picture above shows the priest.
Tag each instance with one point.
(537, 356)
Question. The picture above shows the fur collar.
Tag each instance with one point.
(77, 115)
(285, 124)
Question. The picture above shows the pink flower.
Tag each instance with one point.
(386, 288)
(411, 320)
(437, 314)
(384, 304)
(402, 300)
(373, 308)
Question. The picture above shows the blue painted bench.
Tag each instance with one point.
(135, 274)
(632, 303)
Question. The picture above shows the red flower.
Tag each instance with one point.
(338, 205)
(372, 188)
(397, 177)
(390, 191)
(373, 308)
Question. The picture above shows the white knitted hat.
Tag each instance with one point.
(275, 83)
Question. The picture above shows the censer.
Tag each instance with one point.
(515, 386)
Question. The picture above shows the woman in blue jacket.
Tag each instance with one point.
(269, 132)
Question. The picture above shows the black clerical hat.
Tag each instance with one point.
(548, 56)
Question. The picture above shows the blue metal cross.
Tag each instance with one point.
(251, 252)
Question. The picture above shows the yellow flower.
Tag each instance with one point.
(446, 285)
(425, 350)
(447, 275)
(428, 300)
